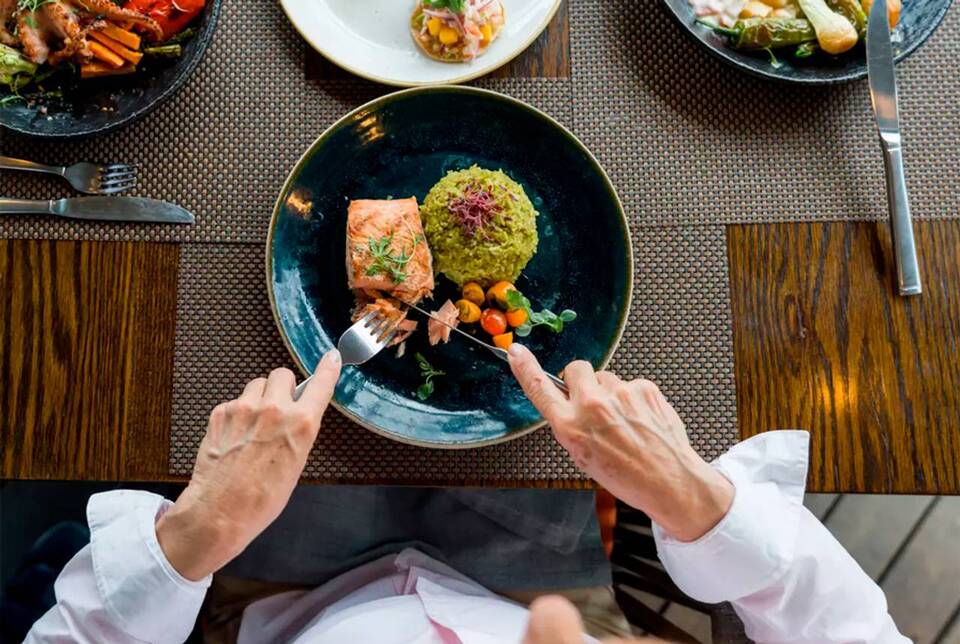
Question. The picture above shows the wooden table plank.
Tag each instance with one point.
(86, 356)
(547, 57)
(822, 342)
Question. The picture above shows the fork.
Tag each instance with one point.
(87, 178)
(358, 344)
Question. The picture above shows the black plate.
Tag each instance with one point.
(102, 105)
(918, 19)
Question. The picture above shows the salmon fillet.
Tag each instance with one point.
(386, 249)
(388, 260)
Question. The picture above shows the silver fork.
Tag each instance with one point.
(358, 344)
(87, 178)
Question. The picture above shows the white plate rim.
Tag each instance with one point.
(476, 73)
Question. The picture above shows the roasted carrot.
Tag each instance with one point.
(97, 70)
(116, 47)
(104, 54)
(123, 36)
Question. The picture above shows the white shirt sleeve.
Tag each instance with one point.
(121, 588)
(788, 579)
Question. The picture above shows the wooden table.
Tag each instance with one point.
(821, 342)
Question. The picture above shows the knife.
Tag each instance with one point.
(883, 95)
(138, 209)
(497, 351)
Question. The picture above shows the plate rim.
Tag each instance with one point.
(399, 95)
(730, 60)
(412, 84)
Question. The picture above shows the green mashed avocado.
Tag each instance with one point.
(480, 225)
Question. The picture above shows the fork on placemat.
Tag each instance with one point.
(361, 342)
(88, 178)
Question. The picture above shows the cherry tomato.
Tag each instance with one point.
(493, 321)
(516, 317)
(172, 15)
(504, 340)
(497, 294)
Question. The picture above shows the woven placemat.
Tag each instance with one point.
(688, 139)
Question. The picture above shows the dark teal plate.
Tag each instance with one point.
(400, 145)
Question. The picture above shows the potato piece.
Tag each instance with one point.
(785, 12)
(755, 9)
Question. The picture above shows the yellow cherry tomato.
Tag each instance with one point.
(493, 322)
(516, 317)
(469, 312)
(473, 293)
(433, 26)
(504, 340)
(497, 294)
(448, 36)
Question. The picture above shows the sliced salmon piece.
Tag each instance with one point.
(437, 331)
(388, 309)
(380, 233)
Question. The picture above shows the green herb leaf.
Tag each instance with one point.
(568, 316)
(428, 373)
(523, 330)
(453, 5)
(425, 390)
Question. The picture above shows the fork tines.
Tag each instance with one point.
(116, 177)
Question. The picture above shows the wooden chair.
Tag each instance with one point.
(636, 569)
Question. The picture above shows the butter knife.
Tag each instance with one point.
(497, 351)
(136, 209)
(883, 95)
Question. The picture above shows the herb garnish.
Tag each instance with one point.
(384, 262)
(455, 6)
(546, 317)
(29, 7)
(428, 373)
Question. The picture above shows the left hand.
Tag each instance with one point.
(249, 462)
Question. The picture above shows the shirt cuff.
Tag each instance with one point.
(146, 596)
(753, 544)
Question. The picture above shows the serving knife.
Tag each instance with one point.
(883, 95)
(136, 209)
(497, 351)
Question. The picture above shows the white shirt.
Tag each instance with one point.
(787, 577)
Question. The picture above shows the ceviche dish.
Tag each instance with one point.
(47, 43)
(477, 231)
(802, 28)
(456, 31)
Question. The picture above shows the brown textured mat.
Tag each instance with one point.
(688, 139)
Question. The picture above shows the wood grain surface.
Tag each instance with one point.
(547, 57)
(86, 358)
(823, 342)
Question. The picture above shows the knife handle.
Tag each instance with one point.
(904, 247)
(10, 206)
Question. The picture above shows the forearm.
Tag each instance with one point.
(785, 574)
(121, 588)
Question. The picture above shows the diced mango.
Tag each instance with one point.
(433, 26)
(755, 9)
(487, 32)
(448, 36)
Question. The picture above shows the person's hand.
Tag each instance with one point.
(554, 620)
(631, 441)
(249, 463)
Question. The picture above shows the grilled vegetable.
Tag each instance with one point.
(893, 10)
(469, 312)
(503, 341)
(835, 34)
(517, 317)
(768, 33)
(852, 11)
(497, 294)
(474, 293)
(807, 49)
(493, 321)
(15, 70)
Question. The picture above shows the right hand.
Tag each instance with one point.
(628, 438)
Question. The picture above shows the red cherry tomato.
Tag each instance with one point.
(493, 321)
(172, 15)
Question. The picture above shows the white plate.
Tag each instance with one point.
(371, 38)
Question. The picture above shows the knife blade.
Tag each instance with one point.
(883, 96)
(882, 77)
(497, 351)
(133, 209)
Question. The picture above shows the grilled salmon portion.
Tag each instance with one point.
(387, 250)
